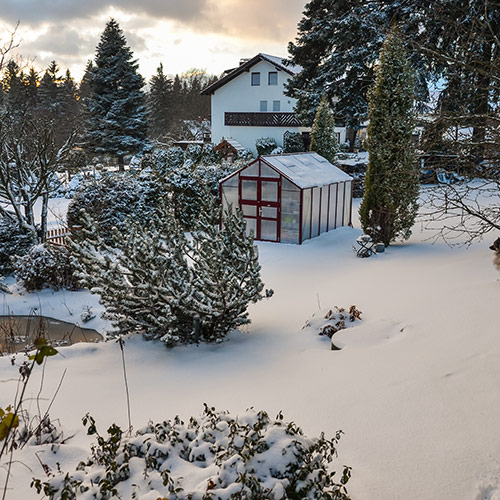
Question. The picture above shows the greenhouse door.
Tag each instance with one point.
(259, 201)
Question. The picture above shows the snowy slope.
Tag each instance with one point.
(416, 389)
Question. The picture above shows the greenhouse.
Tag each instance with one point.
(290, 198)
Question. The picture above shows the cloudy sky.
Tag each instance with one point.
(182, 34)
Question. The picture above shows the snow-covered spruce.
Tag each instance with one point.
(147, 286)
(216, 456)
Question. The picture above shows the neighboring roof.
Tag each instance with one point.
(306, 169)
(232, 142)
(278, 62)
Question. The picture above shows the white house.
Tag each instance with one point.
(249, 102)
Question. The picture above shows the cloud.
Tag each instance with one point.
(35, 11)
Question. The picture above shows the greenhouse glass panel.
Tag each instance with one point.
(232, 181)
(306, 214)
(269, 191)
(251, 226)
(270, 212)
(249, 210)
(266, 171)
(251, 171)
(229, 196)
(269, 230)
(324, 209)
(315, 212)
(333, 206)
(248, 189)
(347, 203)
(340, 204)
(290, 213)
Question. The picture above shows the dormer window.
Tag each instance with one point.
(272, 78)
(255, 79)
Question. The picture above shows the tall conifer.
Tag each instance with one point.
(117, 110)
(323, 138)
(389, 205)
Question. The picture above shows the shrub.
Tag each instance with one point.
(14, 241)
(114, 200)
(293, 142)
(45, 265)
(248, 457)
(266, 145)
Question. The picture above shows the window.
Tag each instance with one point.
(255, 79)
(263, 105)
(276, 105)
(272, 78)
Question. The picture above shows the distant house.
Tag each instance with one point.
(249, 102)
(290, 198)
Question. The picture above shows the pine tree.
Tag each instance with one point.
(226, 271)
(323, 137)
(160, 104)
(147, 286)
(389, 205)
(117, 112)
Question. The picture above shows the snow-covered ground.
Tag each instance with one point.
(416, 387)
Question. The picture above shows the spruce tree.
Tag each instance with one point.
(323, 137)
(117, 123)
(389, 206)
(160, 104)
(49, 92)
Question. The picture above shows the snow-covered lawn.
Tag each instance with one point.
(416, 387)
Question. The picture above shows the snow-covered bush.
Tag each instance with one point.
(193, 153)
(45, 265)
(332, 321)
(216, 456)
(208, 155)
(265, 145)
(114, 200)
(14, 241)
(185, 184)
(293, 142)
(147, 286)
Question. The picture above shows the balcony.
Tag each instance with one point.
(261, 119)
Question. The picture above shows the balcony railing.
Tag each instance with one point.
(261, 119)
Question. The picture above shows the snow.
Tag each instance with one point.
(415, 387)
(307, 169)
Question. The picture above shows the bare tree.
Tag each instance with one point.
(7, 45)
(29, 158)
(464, 135)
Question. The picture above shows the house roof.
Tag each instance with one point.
(233, 143)
(306, 169)
(278, 62)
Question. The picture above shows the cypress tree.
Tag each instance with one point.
(323, 138)
(389, 205)
(117, 122)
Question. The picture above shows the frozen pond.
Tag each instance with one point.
(19, 332)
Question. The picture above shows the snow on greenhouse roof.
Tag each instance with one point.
(306, 169)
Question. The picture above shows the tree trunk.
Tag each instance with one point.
(43, 218)
(121, 164)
